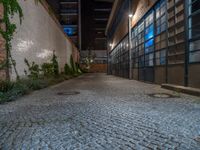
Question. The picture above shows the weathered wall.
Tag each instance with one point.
(38, 36)
(2, 45)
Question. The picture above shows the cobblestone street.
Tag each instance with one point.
(109, 113)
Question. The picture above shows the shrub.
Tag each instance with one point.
(47, 69)
(22, 87)
(73, 66)
(55, 65)
(5, 86)
(37, 84)
(33, 69)
(74, 70)
(68, 70)
(17, 90)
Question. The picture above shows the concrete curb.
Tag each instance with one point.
(182, 89)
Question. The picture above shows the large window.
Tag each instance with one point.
(194, 31)
(120, 59)
(149, 39)
(140, 46)
(135, 47)
(160, 39)
(176, 31)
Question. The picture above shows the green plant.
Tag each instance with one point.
(17, 90)
(50, 69)
(26, 85)
(3, 65)
(33, 69)
(47, 69)
(37, 84)
(73, 67)
(78, 68)
(5, 86)
(11, 7)
(68, 70)
(55, 64)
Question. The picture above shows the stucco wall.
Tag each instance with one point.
(37, 37)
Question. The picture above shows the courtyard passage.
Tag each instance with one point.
(100, 112)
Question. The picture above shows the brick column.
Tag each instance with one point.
(3, 73)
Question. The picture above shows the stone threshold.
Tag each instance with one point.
(182, 89)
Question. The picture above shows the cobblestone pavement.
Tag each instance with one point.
(110, 113)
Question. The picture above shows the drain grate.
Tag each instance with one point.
(68, 93)
(162, 95)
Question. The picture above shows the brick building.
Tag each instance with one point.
(163, 40)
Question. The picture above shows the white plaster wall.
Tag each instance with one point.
(37, 37)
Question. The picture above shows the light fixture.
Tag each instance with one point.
(130, 15)
(111, 45)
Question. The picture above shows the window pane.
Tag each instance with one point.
(149, 33)
(163, 27)
(195, 25)
(195, 6)
(163, 10)
(195, 56)
(195, 45)
(149, 43)
(163, 19)
(163, 57)
(157, 13)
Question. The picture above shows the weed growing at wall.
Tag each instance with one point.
(73, 69)
(38, 77)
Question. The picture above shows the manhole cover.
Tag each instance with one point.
(68, 93)
(197, 139)
(162, 95)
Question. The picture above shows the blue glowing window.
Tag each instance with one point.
(149, 43)
(69, 31)
(149, 32)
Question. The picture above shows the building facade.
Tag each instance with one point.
(95, 15)
(164, 41)
(70, 19)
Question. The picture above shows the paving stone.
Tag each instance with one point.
(110, 113)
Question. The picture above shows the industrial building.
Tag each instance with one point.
(155, 41)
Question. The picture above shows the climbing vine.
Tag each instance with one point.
(11, 7)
